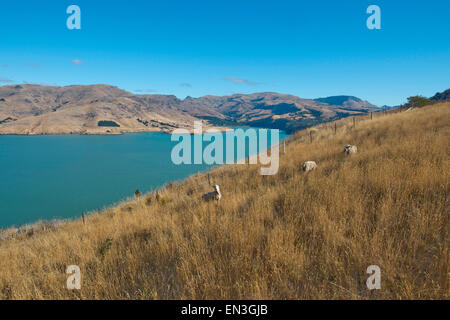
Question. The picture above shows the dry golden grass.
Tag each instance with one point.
(288, 236)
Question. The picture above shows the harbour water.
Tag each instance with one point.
(59, 177)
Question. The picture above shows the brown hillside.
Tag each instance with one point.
(34, 109)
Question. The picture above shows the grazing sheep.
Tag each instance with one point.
(309, 166)
(215, 195)
(349, 149)
(137, 194)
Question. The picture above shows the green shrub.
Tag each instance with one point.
(418, 101)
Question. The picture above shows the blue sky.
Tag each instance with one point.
(307, 48)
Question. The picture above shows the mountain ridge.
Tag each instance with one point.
(441, 96)
(31, 109)
(346, 101)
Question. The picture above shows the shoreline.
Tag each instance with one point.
(218, 129)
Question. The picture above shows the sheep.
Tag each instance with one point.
(349, 149)
(215, 195)
(309, 166)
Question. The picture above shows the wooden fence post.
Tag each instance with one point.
(354, 122)
(310, 136)
(335, 127)
(82, 217)
(371, 115)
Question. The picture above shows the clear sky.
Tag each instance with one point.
(307, 48)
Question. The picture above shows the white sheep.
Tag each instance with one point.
(309, 166)
(349, 149)
(215, 195)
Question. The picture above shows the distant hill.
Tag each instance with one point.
(34, 109)
(347, 101)
(390, 107)
(441, 96)
(271, 110)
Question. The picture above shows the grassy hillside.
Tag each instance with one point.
(288, 236)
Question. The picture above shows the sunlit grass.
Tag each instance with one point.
(294, 235)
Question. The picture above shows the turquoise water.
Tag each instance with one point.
(46, 177)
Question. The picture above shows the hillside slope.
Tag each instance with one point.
(441, 96)
(271, 110)
(348, 102)
(34, 109)
(288, 236)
